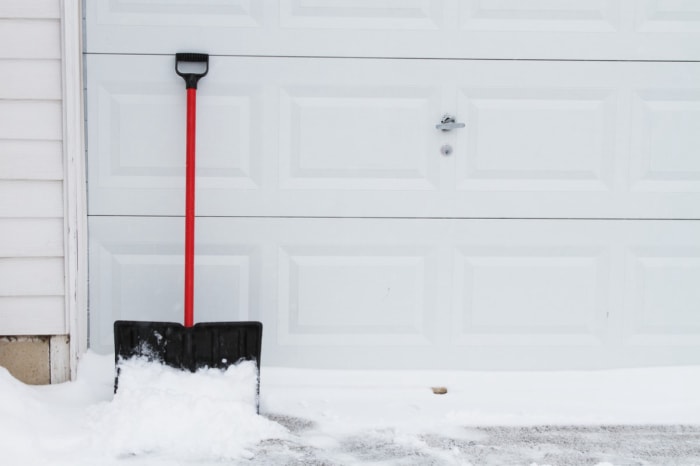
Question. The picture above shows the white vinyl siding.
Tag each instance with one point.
(31, 170)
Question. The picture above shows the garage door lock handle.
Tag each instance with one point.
(448, 123)
(191, 78)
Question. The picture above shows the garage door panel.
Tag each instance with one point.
(668, 15)
(664, 296)
(363, 14)
(512, 29)
(542, 15)
(538, 139)
(140, 134)
(358, 138)
(141, 277)
(204, 13)
(532, 295)
(666, 138)
(354, 295)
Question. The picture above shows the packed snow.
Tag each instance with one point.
(162, 416)
(209, 414)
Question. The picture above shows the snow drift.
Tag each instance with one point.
(210, 414)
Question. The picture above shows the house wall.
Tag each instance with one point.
(32, 268)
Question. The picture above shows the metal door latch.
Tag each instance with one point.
(448, 123)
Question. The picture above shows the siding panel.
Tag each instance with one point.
(30, 79)
(47, 9)
(27, 39)
(32, 315)
(24, 119)
(31, 277)
(27, 199)
(31, 237)
(31, 160)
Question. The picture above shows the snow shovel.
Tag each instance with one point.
(189, 346)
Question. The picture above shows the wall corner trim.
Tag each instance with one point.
(74, 186)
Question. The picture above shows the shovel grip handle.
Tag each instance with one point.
(191, 78)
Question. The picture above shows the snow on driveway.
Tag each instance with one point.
(312, 417)
(498, 446)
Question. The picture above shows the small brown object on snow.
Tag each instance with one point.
(439, 390)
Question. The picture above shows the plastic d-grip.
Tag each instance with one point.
(191, 79)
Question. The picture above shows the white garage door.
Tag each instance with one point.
(556, 229)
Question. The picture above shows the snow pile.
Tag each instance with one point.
(17, 404)
(40, 425)
(158, 410)
(159, 416)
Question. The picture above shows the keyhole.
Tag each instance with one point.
(446, 150)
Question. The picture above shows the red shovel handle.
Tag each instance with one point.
(189, 207)
(191, 79)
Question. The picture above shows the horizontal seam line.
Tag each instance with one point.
(395, 218)
(404, 58)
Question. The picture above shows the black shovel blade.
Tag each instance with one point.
(210, 344)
